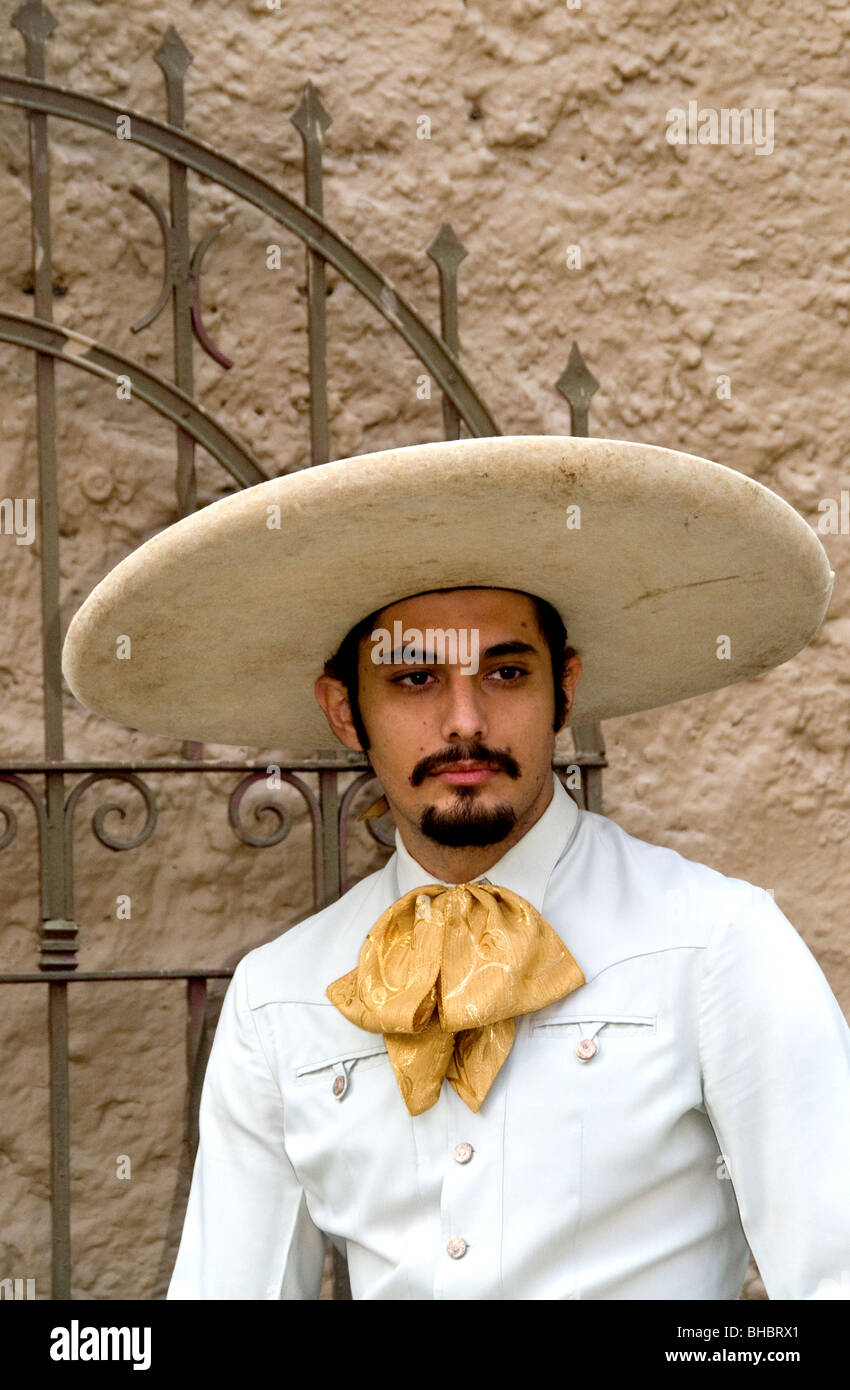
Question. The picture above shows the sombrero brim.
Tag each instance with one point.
(230, 616)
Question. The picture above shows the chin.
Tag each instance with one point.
(466, 822)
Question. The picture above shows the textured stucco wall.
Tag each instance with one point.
(697, 262)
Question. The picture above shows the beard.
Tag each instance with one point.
(467, 823)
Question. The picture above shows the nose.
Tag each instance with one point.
(462, 714)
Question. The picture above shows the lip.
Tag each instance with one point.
(466, 774)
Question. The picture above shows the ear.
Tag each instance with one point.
(333, 698)
(572, 671)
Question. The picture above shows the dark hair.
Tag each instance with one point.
(343, 664)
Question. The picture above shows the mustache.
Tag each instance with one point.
(469, 753)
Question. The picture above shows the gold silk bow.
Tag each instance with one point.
(443, 974)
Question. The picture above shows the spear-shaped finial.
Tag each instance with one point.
(310, 117)
(578, 385)
(35, 22)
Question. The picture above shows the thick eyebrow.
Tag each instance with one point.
(513, 648)
(516, 648)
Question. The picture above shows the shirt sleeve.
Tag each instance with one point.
(775, 1056)
(247, 1233)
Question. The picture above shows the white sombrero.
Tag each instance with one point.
(659, 563)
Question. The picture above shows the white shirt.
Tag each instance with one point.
(715, 1111)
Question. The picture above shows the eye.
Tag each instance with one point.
(509, 674)
(418, 678)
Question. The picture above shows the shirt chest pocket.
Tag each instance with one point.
(591, 1035)
(348, 1135)
(337, 1074)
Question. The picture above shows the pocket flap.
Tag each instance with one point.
(347, 1057)
(589, 1024)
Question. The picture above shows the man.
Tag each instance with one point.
(533, 1056)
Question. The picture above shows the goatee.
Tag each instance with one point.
(467, 823)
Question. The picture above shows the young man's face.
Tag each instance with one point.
(464, 756)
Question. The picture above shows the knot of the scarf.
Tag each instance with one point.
(443, 974)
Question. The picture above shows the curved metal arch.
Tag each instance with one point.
(308, 226)
(166, 399)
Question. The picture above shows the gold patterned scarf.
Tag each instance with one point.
(443, 974)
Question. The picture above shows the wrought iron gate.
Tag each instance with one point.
(54, 786)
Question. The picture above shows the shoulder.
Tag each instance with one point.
(301, 963)
(686, 898)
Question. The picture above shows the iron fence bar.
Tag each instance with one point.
(291, 764)
(329, 804)
(447, 253)
(35, 977)
(60, 1137)
(578, 386)
(178, 765)
(588, 738)
(35, 24)
(196, 1016)
(311, 120)
(174, 58)
(307, 225)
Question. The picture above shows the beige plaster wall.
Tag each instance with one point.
(547, 131)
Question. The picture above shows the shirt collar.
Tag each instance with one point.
(525, 869)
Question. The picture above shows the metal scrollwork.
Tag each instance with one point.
(11, 820)
(284, 819)
(11, 829)
(100, 814)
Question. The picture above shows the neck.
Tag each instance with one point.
(461, 863)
